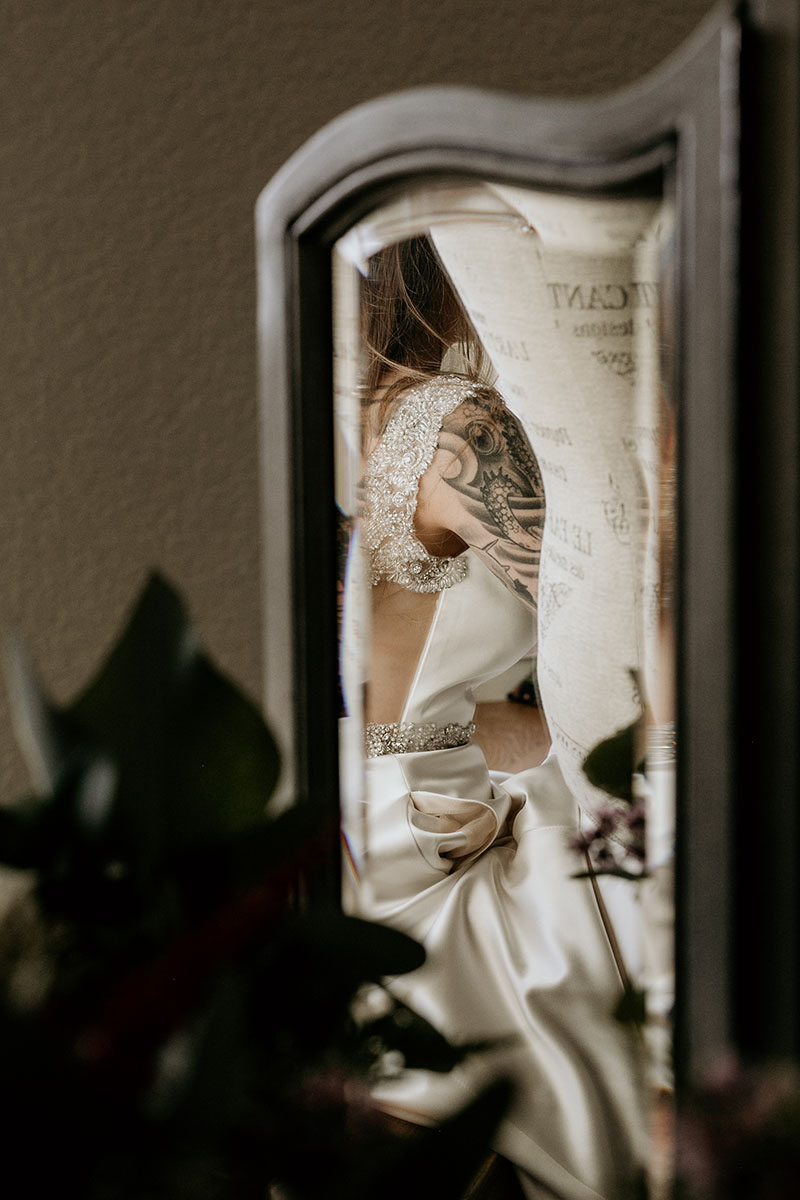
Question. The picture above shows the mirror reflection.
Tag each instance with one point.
(506, 449)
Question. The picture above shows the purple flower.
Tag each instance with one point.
(607, 822)
(581, 841)
(604, 858)
(635, 818)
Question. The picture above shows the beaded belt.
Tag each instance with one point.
(407, 738)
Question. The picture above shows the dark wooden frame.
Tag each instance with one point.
(737, 658)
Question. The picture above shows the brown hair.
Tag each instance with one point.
(410, 317)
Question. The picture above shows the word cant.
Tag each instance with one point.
(603, 296)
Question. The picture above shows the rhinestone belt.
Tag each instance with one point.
(407, 738)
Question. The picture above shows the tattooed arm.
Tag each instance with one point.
(484, 486)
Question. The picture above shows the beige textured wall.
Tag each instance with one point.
(135, 136)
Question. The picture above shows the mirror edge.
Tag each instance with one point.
(695, 99)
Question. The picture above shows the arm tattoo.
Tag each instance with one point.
(486, 459)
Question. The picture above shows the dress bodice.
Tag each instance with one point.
(479, 629)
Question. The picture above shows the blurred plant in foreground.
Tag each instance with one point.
(739, 1134)
(614, 844)
(174, 1022)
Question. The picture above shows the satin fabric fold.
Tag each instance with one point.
(516, 952)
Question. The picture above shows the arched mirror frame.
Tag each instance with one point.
(686, 120)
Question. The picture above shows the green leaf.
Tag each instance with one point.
(631, 1009)
(128, 707)
(196, 761)
(128, 704)
(190, 760)
(421, 1045)
(46, 735)
(307, 975)
(440, 1162)
(23, 830)
(38, 830)
(210, 873)
(610, 765)
(222, 762)
(359, 949)
(323, 956)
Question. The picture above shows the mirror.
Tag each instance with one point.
(599, 211)
(505, 463)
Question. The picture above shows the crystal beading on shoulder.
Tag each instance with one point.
(391, 487)
(406, 738)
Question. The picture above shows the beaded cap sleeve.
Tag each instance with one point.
(391, 487)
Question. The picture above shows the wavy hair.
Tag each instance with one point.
(410, 317)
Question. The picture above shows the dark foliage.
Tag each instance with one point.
(174, 1022)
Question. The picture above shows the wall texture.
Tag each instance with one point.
(135, 136)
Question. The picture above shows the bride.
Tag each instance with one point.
(474, 864)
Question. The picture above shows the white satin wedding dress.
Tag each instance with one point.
(476, 866)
